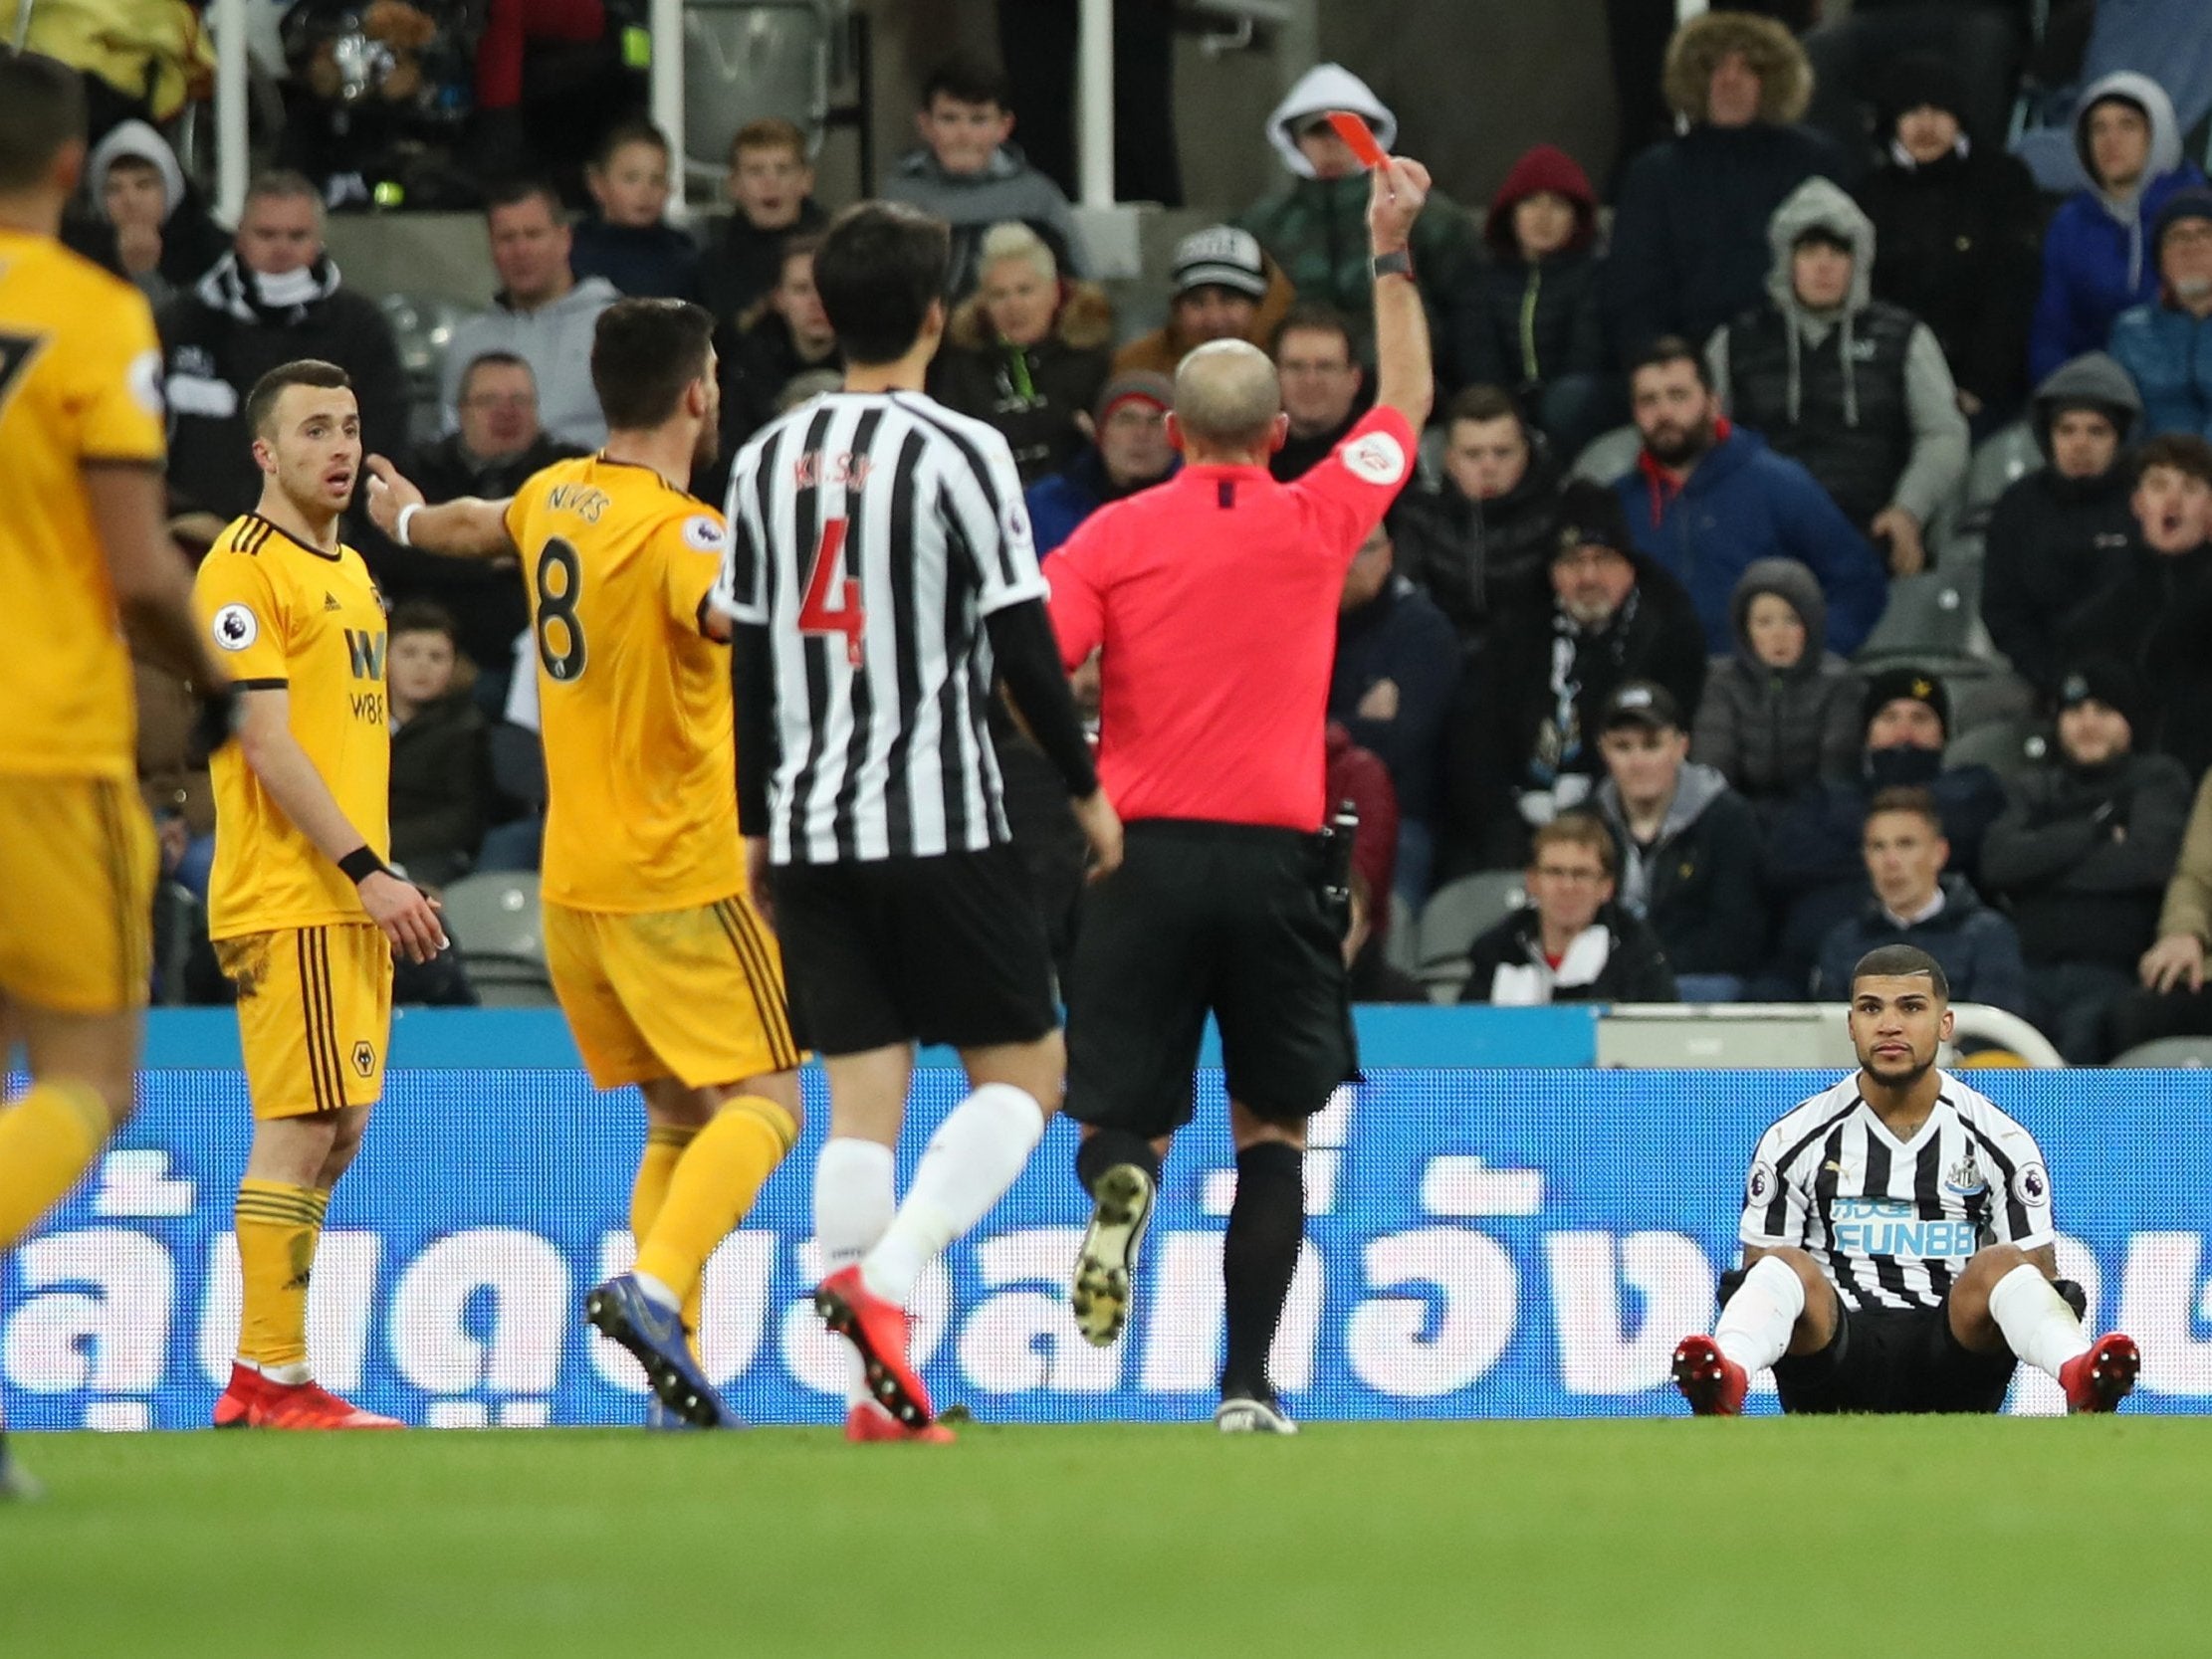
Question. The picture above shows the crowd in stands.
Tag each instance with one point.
(1624, 633)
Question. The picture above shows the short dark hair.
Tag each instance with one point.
(514, 192)
(769, 132)
(420, 616)
(1310, 317)
(635, 131)
(968, 79)
(42, 110)
(1907, 799)
(644, 352)
(260, 402)
(492, 359)
(1483, 403)
(1574, 829)
(2183, 452)
(1902, 962)
(1672, 348)
(881, 266)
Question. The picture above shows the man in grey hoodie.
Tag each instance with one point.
(968, 173)
(1688, 845)
(1784, 710)
(541, 314)
(1852, 387)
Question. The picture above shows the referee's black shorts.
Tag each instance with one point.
(942, 949)
(1902, 1360)
(1219, 917)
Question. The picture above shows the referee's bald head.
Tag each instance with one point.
(1227, 395)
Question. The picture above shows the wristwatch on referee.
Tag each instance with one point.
(1396, 263)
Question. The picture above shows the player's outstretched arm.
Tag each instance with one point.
(409, 917)
(1405, 377)
(470, 527)
(153, 584)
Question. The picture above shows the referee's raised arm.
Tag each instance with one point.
(1405, 375)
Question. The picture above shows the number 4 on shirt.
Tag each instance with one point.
(832, 601)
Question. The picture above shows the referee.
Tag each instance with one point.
(1214, 597)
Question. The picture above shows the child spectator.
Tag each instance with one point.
(1026, 352)
(165, 239)
(770, 190)
(2098, 256)
(971, 176)
(1784, 710)
(440, 774)
(1527, 317)
(630, 240)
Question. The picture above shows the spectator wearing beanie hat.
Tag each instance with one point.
(1128, 452)
(1526, 316)
(1225, 288)
(2165, 345)
(1816, 850)
(1955, 235)
(2081, 854)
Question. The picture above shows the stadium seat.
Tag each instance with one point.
(1456, 913)
(1402, 948)
(422, 328)
(2008, 747)
(745, 60)
(2007, 454)
(496, 919)
(1929, 620)
(1428, 460)
(1992, 697)
(2168, 1052)
(1609, 455)
(510, 985)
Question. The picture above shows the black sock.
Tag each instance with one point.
(1266, 1225)
(1099, 1152)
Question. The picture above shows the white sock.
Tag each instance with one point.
(1754, 1329)
(2038, 1325)
(972, 1159)
(290, 1376)
(856, 1196)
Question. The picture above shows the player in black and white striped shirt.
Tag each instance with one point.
(881, 579)
(1898, 1244)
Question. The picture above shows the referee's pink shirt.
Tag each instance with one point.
(1215, 596)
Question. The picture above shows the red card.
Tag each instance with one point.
(1354, 131)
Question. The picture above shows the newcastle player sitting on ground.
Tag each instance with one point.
(1899, 1250)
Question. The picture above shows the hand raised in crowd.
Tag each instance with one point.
(408, 916)
(1400, 187)
(2174, 962)
(1101, 827)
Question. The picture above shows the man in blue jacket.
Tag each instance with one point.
(1707, 501)
(1129, 451)
(2166, 344)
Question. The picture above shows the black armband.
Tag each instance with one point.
(361, 863)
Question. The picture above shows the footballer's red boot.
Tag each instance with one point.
(236, 1406)
(2100, 1378)
(879, 1329)
(867, 1423)
(309, 1405)
(1714, 1383)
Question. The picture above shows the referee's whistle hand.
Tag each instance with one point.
(1395, 198)
(1102, 826)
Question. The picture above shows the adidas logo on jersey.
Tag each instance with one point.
(329, 602)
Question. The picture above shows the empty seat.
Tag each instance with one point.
(2177, 1052)
(1609, 455)
(496, 918)
(2009, 453)
(2008, 747)
(1929, 617)
(745, 60)
(1460, 911)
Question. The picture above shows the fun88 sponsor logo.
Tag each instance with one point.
(1892, 1227)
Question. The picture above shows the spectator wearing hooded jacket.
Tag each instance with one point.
(1915, 904)
(970, 173)
(1027, 352)
(1816, 855)
(1850, 386)
(1526, 314)
(1521, 742)
(1707, 499)
(1689, 247)
(1315, 226)
(1955, 222)
(1688, 845)
(2165, 345)
(275, 297)
(2099, 255)
(1480, 540)
(2081, 857)
(165, 237)
(2059, 536)
(1783, 711)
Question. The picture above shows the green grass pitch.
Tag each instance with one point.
(1773, 1539)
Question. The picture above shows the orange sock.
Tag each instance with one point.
(48, 1139)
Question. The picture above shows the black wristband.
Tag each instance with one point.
(1397, 262)
(361, 863)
